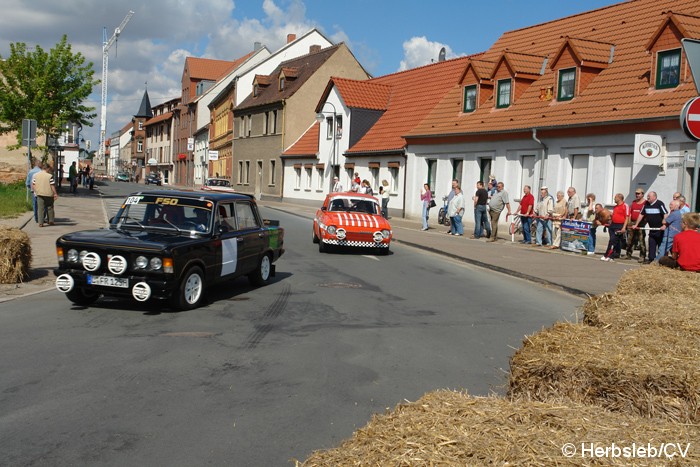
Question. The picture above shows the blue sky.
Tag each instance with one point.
(385, 36)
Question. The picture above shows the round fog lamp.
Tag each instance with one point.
(331, 229)
(156, 263)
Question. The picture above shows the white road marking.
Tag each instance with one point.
(371, 257)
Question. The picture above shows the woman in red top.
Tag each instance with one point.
(686, 245)
(617, 228)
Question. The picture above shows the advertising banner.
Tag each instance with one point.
(574, 235)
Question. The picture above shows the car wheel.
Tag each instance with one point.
(82, 297)
(313, 235)
(261, 276)
(190, 291)
(322, 247)
(383, 251)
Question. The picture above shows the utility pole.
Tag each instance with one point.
(106, 44)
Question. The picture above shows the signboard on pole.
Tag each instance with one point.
(692, 51)
(213, 155)
(29, 133)
(574, 235)
(190, 144)
(647, 149)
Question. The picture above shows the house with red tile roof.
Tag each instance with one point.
(280, 109)
(590, 101)
(361, 130)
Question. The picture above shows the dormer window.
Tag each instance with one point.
(282, 83)
(668, 69)
(567, 84)
(469, 98)
(504, 89)
(256, 90)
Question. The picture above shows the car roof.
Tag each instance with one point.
(351, 194)
(211, 195)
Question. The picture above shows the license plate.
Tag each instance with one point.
(108, 281)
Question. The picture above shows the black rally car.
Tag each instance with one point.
(169, 245)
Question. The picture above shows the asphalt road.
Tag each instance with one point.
(258, 376)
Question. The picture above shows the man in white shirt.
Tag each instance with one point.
(336, 185)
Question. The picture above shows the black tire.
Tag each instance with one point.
(190, 291)
(82, 297)
(322, 247)
(441, 216)
(383, 251)
(314, 237)
(261, 275)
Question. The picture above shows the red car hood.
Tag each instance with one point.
(354, 219)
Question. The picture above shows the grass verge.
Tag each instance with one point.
(13, 200)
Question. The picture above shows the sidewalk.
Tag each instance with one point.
(83, 211)
(573, 273)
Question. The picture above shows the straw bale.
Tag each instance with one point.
(15, 255)
(639, 301)
(658, 280)
(651, 372)
(451, 428)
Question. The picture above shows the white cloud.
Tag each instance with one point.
(419, 51)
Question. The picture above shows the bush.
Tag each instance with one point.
(13, 199)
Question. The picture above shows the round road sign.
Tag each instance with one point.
(690, 118)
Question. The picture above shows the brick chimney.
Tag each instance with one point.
(291, 38)
(314, 48)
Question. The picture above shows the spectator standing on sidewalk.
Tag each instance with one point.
(684, 207)
(499, 200)
(589, 216)
(685, 252)
(45, 189)
(455, 210)
(384, 193)
(617, 228)
(671, 227)
(426, 196)
(336, 185)
(653, 213)
(30, 178)
(543, 211)
(558, 214)
(573, 204)
(451, 195)
(481, 221)
(73, 178)
(525, 209)
(637, 237)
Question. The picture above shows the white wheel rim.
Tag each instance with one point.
(193, 289)
(265, 268)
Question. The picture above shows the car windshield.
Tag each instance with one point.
(363, 205)
(178, 214)
(216, 182)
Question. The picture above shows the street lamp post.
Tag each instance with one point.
(320, 117)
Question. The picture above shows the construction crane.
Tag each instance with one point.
(106, 44)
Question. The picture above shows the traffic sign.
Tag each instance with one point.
(690, 118)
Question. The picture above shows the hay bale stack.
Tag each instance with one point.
(649, 372)
(650, 296)
(452, 428)
(15, 255)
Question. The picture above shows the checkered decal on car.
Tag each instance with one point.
(356, 243)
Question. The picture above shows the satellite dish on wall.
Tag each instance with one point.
(441, 56)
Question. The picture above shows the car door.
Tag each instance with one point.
(228, 231)
(251, 236)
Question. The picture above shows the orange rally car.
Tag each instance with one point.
(351, 220)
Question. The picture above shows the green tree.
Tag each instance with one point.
(49, 87)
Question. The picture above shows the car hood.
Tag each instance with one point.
(356, 219)
(129, 239)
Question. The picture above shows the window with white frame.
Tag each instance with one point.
(139, 146)
(140, 124)
(309, 173)
(394, 174)
(329, 127)
(319, 176)
(338, 126)
(297, 178)
(374, 175)
(504, 88)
